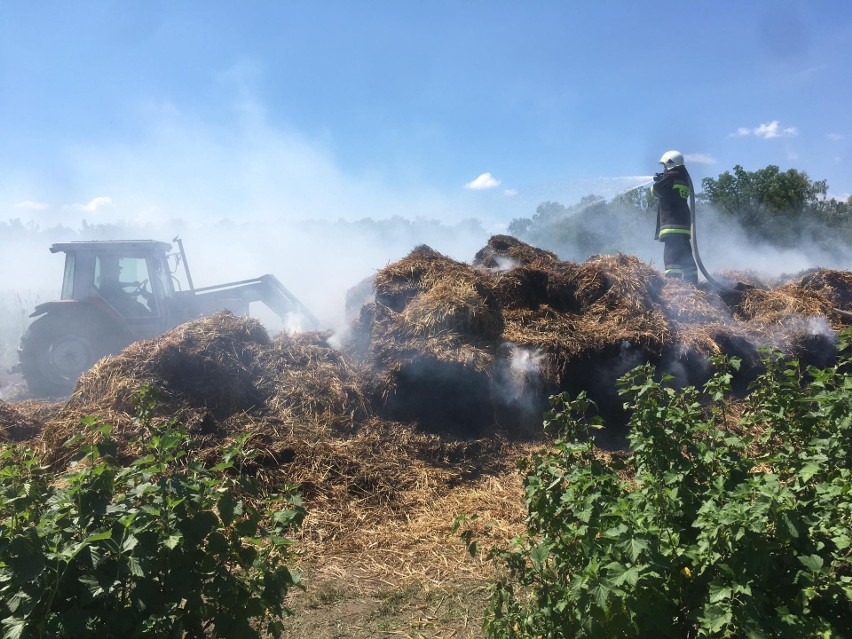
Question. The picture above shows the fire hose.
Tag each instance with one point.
(694, 241)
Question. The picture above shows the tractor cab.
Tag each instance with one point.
(117, 292)
(128, 281)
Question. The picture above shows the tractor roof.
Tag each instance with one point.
(112, 246)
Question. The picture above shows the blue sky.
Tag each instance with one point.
(151, 110)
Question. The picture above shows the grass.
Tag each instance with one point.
(406, 609)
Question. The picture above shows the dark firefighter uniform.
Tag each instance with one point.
(673, 223)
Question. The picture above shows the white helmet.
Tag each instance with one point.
(671, 159)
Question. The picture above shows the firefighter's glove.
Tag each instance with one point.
(658, 177)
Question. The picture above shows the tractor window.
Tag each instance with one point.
(68, 278)
(160, 269)
(124, 283)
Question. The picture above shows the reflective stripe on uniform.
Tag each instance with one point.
(674, 231)
(681, 271)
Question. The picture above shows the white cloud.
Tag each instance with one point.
(773, 130)
(767, 131)
(484, 181)
(31, 205)
(836, 137)
(699, 158)
(510, 192)
(792, 155)
(94, 204)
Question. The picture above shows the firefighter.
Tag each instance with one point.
(674, 218)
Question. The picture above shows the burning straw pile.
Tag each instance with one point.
(305, 405)
(446, 366)
(212, 373)
(16, 425)
(458, 343)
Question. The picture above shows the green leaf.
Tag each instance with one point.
(130, 543)
(808, 470)
(842, 541)
(106, 534)
(203, 523)
(788, 524)
(128, 519)
(539, 554)
(635, 547)
(601, 595)
(172, 540)
(719, 593)
(813, 563)
(716, 617)
(629, 576)
(93, 586)
(228, 507)
(14, 627)
(135, 567)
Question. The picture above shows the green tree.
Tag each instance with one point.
(776, 206)
(590, 226)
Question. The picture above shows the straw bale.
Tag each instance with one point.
(618, 281)
(353, 481)
(398, 283)
(778, 306)
(39, 410)
(750, 279)
(620, 303)
(454, 305)
(696, 317)
(648, 330)
(835, 286)
(209, 362)
(15, 425)
(393, 343)
(503, 252)
(684, 303)
(200, 371)
(525, 276)
(521, 287)
(547, 331)
(436, 295)
(305, 378)
(538, 283)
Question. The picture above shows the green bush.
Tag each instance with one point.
(701, 531)
(164, 547)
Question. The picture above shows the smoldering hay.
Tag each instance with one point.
(445, 337)
(467, 348)
(444, 368)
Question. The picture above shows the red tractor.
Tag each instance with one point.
(117, 292)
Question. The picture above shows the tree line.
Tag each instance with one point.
(770, 207)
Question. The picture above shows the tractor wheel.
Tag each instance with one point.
(55, 351)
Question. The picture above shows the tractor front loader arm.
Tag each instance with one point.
(267, 289)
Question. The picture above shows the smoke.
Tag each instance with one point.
(593, 226)
(521, 375)
(318, 261)
(504, 263)
(247, 195)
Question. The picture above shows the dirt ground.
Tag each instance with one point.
(412, 578)
(337, 608)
